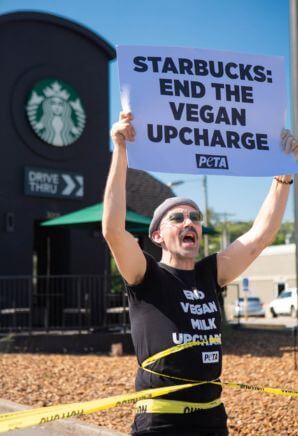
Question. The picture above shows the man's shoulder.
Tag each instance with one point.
(206, 261)
(151, 261)
(152, 271)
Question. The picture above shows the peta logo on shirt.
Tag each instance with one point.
(210, 357)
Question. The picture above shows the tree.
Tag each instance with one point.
(234, 229)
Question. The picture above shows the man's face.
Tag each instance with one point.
(181, 239)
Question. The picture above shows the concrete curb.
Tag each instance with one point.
(67, 427)
(63, 342)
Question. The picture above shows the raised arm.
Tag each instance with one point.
(126, 251)
(232, 261)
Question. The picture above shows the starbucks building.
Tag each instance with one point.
(55, 155)
(54, 141)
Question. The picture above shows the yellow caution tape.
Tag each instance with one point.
(174, 377)
(276, 391)
(177, 348)
(172, 406)
(42, 415)
(180, 347)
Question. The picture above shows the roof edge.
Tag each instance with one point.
(60, 21)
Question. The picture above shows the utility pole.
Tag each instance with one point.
(225, 233)
(293, 8)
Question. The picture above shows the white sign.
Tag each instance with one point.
(46, 182)
(204, 111)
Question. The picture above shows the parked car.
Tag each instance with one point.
(254, 307)
(285, 303)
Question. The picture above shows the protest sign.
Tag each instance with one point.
(203, 111)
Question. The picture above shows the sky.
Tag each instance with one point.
(246, 26)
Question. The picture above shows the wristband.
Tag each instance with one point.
(283, 181)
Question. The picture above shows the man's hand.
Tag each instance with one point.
(123, 130)
(288, 143)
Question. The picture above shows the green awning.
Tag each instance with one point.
(209, 231)
(93, 215)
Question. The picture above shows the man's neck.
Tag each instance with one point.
(177, 262)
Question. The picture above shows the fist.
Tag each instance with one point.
(123, 130)
(288, 143)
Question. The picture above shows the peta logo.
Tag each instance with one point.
(210, 357)
(212, 161)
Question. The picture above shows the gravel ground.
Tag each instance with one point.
(265, 359)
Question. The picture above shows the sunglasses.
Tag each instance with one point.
(178, 217)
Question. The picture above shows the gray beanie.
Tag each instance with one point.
(164, 207)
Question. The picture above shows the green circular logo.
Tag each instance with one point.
(55, 112)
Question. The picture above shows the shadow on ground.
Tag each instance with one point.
(269, 343)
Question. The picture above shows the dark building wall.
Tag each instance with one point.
(34, 47)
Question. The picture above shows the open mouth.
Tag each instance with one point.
(188, 237)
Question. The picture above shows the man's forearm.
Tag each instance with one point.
(115, 193)
(113, 221)
(269, 218)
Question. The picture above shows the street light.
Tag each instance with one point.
(205, 222)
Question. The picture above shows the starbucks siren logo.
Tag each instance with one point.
(55, 112)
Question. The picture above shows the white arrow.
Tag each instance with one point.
(80, 191)
(70, 185)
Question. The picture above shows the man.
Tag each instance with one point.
(174, 303)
